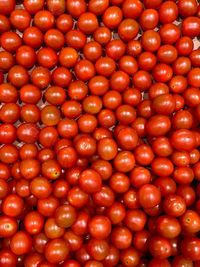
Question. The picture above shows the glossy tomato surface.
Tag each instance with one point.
(99, 133)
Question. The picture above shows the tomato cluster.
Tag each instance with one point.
(99, 133)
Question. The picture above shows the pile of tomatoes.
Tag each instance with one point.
(99, 133)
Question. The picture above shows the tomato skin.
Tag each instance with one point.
(190, 221)
(159, 262)
(188, 193)
(194, 57)
(8, 226)
(168, 12)
(29, 168)
(140, 176)
(135, 220)
(12, 205)
(56, 250)
(8, 258)
(40, 187)
(168, 227)
(143, 154)
(82, 255)
(33, 222)
(71, 263)
(116, 213)
(160, 247)
(190, 26)
(33, 7)
(158, 125)
(149, 19)
(187, 8)
(67, 157)
(76, 8)
(99, 227)
(180, 260)
(130, 256)
(21, 243)
(162, 72)
(183, 136)
(65, 216)
(190, 248)
(149, 196)
(164, 104)
(75, 241)
(166, 185)
(162, 167)
(99, 133)
(151, 41)
(98, 7)
(98, 249)
(121, 237)
(7, 133)
(167, 54)
(174, 205)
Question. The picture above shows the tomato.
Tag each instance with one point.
(52, 230)
(149, 19)
(174, 205)
(158, 125)
(8, 258)
(40, 187)
(162, 167)
(87, 23)
(20, 243)
(12, 205)
(112, 17)
(10, 41)
(135, 220)
(33, 7)
(28, 132)
(99, 227)
(187, 8)
(124, 161)
(99, 133)
(190, 248)
(132, 9)
(20, 19)
(98, 249)
(121, 237)
(33, 222)
(143, 154)
(8, 226)
(65, 216)
(130, 257)
(29, 168)
(183, 139)
(75, 241)
(160, 247)
(56, 250)
(56, 7)
(168, 12)
(180, 260)
(82, 255)
(190, 26)
(39, 242)
(98, 7)
(168, 227)
(162, 72)
(159, 262)
(190, 221)
(166, 185)
(149, 196)
(75, 39)
(76, 7)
